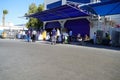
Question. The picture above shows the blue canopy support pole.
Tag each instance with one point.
(44, 23)
(62, 22)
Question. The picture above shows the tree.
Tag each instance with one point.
(5, 12)
(32, 8)
(34, 22)
(40, 8)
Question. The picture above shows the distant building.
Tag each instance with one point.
(11, 27)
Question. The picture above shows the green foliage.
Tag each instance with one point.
(33, 22)
(32, 8)
(40, 8)
(5, 12)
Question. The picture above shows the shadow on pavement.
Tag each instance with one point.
(96, 46)
(84, 44)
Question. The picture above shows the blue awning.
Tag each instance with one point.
(110, 7)
(62, 12)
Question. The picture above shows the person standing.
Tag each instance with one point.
(94, 38)
(58, 35)
(33, 36)
(70, 36)
(23, 34)
(28, 36)
(44, 34)
(79, 39)
(53, 36)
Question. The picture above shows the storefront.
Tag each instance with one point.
(77, 16)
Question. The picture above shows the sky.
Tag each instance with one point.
(16, 9)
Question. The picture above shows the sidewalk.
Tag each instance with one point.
(96, 46)
(72, 44)
(84, 45)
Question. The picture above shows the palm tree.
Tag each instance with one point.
(5, 12)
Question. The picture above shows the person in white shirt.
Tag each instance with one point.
(58, 34)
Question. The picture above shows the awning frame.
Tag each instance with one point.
(59, 13)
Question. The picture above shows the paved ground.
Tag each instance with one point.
(20, 60)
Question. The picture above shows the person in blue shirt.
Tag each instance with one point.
(70, 36)
(28, 36)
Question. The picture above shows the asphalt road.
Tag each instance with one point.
(20, 60)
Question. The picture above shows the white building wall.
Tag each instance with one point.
(100, 25)
(63, 2)
(116, 18)
(104, 27)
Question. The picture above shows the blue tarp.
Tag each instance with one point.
(109, 7)
(110, 1)
(62, 12)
